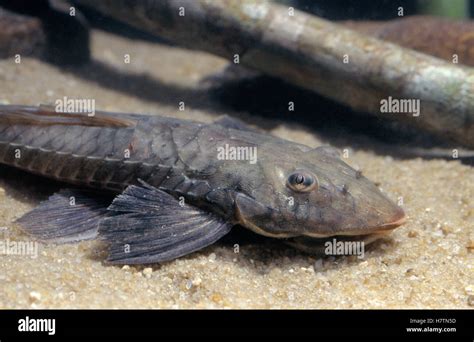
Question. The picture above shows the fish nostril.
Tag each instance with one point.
(344, 189)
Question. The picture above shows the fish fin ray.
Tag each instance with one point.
(67, 216)
(150, 226)
(234, 123)
(327, 150)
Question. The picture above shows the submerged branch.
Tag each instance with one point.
(311, 52)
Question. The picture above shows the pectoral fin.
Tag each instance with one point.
(148, 225)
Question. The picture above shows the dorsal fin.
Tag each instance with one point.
(327, 150)
(47, 115)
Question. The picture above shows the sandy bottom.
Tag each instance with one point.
(427, 263)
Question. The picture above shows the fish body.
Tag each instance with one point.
(181, 185)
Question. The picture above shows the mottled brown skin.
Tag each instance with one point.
(180, 157)
(20, 34)
(439, 37)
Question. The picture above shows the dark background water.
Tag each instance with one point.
(374, 10)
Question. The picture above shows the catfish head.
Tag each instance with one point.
(310, 195)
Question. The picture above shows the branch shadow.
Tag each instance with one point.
(26, 187)
(143, 86)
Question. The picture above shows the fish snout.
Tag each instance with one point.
(396, 219)
(380, 216)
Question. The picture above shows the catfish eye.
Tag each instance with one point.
(302, 181)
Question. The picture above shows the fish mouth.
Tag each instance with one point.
(386, 227)
(316, 245)
(399, 219)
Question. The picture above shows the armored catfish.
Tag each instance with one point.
(179, 186)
